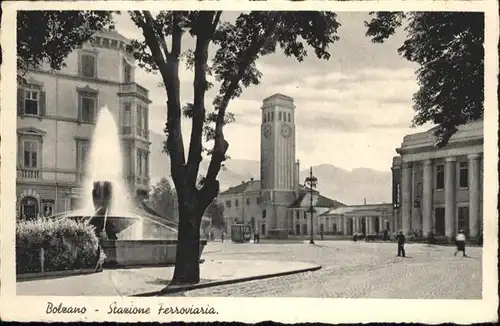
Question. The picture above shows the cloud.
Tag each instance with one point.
(334, 123)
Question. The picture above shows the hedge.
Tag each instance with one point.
(67, 244)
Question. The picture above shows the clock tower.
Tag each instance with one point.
(277, 163)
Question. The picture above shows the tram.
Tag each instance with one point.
(241, 233)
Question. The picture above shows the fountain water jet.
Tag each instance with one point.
(108, 205)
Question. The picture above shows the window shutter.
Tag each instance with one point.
(79, 108)
(20, 100)
(80, 72)
(42, 103)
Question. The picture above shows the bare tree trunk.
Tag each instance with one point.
(187, 268)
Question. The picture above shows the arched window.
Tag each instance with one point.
(29, 208)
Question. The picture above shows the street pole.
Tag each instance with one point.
(311, 181)
(311, 209)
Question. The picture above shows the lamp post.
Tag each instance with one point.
(312, 182)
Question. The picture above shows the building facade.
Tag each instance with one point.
(440, 190)
(275, 204)
(242, 205)
(56, 117)
(364, 219)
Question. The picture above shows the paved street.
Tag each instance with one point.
(356, 270)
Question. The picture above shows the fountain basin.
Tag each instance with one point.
(114, 224)
(123, 253)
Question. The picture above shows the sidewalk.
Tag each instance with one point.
(150, 281)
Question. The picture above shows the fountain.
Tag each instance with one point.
(129, 236)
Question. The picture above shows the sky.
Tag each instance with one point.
(352, 111)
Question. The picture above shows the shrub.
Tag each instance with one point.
(431, 238)
(67, 245)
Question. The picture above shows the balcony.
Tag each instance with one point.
(142, 133)
(28, 174)
(143, 181)
(135, 89)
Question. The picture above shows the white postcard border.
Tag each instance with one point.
(30, 308)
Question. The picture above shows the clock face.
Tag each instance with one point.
(286, 131)
(267, 131)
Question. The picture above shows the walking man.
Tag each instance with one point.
(401, 244)
(460, 243)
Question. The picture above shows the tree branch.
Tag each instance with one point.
(176, 35)
(220, 144)
(216, 21)
(169, 70)
(161, 37)
(152, 42)
(203, 30)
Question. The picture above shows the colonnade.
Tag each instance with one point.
(450, 195)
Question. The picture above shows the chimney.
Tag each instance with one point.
(364, 199)
(251, 179)
(296, 178)
(242, 182)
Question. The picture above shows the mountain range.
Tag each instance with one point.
(349, 187)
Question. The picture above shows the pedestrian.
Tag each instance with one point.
(258, 237)
(222, 236)
(401, 244)
(255, 237)
(321, 234)
(386, 233)
(460, 243)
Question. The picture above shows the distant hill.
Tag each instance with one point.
(348, 187)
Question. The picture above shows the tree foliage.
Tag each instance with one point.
(164, 200)
(50, 36)
(216, 212)
(449, 48)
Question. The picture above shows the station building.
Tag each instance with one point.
(440, 190)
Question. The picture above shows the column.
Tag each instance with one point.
(474, 190)
(344, 231)
(370, 225)
(427, 198)
(381, 225)
(450, 196)
(406, 203)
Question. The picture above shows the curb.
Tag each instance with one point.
(183, 288)
(53, 274)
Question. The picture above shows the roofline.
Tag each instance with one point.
(278, 95)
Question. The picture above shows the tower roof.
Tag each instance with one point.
(278, 95)
(278, 100)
